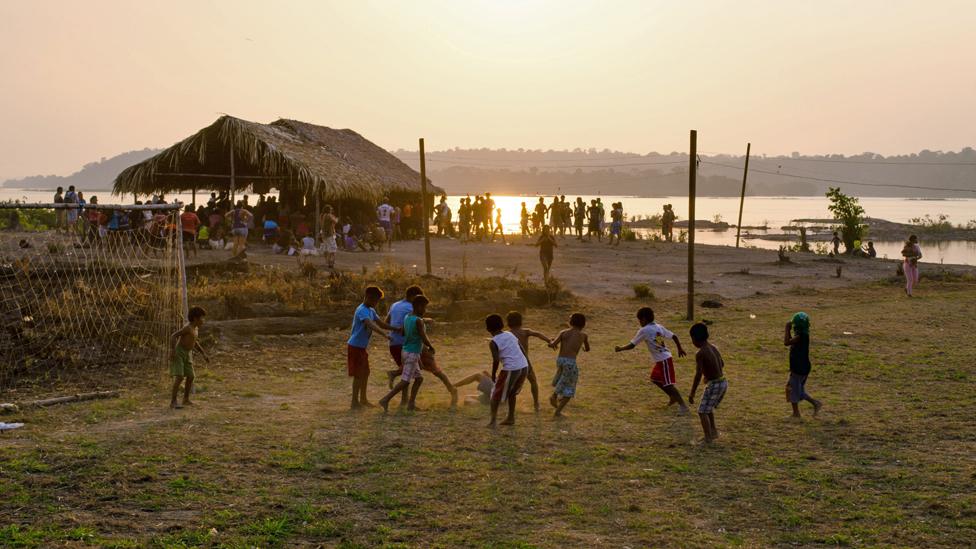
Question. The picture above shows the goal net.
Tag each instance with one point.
(87, 294)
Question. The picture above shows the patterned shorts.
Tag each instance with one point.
(411, 367)
(714, 391)
(567, 374)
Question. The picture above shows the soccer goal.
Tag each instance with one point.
(89, 293)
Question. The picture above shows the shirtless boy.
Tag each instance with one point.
(708, 364)
(182, 344)
(569, 342)
(514, 321)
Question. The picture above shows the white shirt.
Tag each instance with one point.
(510, 352)
(308, 243)
(654, 335)
(384, 212)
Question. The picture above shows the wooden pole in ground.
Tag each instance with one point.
(423, 204)
(692, 173)
(317, 215)
(742, 200)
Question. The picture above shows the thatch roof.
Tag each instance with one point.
(286, 154)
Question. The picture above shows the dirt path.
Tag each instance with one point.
(598, 271)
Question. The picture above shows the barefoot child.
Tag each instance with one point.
(182, 344)
(654, 335)
(708, 364)
(485, 387)
(415, 340)
(364, 322)
(799, 343)
(505, 350)
(514, 321)
(569, 342)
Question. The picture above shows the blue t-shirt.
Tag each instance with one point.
(398, 311)
(360, 331)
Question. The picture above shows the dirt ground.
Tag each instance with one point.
(271, 456)
(595, 270)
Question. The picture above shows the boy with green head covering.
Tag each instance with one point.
(797, 338)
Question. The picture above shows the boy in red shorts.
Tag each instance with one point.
(364, 322)
(655, 335)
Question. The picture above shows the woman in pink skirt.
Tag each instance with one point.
(912, 253)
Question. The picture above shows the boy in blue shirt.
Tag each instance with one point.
(364, 322)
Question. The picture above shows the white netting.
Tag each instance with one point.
(90, 301)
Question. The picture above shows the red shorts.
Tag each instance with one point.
(357, 361)
(396, 351)
(508, 384)
(663, 373)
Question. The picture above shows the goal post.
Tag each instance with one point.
(88, 293)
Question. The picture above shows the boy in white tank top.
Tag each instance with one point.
(505, 350)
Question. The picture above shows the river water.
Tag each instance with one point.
(771, 211)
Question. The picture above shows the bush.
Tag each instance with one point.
(643, 291)
(30, 219)
(933, 225)
(628, 235)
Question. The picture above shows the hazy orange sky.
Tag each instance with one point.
(82, 80)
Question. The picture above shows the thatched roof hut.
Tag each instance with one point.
(294, 157)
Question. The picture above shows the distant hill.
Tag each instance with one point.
(95, 176)
(608, 172)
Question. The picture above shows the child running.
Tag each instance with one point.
(364, 322)
(182, 344)
(415, 340)
(708, 364)
(799, 343)
(654, 335)
(569, 342)
(514, 321)
(505, 350)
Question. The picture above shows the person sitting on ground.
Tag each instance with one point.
(485, 387)
(569, 341)
(308, 246)
(203, 237)
(270, 231)
(377, 237)
(708, 364)
(871, 252)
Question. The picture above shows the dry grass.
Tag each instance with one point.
(271, 457)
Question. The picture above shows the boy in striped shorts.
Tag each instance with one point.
(506, 351)
(655, 335)
(708, 364)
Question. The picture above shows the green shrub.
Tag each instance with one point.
(643, 291)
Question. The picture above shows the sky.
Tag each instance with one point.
(85, 80)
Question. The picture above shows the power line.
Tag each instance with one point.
(529, 164)
(633, 156)
(854, 161)
(846, 182)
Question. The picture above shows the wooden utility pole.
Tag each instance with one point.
(742, 200)
(423, 204)
(318, 215)
(692, 173)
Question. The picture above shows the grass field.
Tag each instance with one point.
(270, 456)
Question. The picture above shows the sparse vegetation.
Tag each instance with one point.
(850, 214)
(643, 291)
(929, 224)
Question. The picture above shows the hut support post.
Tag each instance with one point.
(233, 177)
(692, 169)
(423, 204)
(317, 215)
(742, 200)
